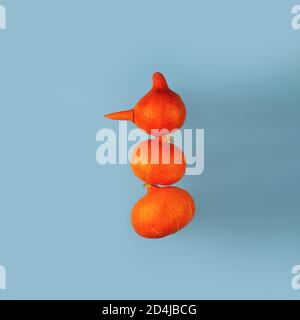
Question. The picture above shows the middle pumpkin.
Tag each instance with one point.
(157, 162)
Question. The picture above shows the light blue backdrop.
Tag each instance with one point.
(65, 221)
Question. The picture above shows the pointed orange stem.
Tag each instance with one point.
(159, 81)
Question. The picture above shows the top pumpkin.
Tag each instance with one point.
(160, 109)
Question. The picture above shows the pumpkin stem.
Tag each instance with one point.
(159, 81)
(149, 186)
(169, 138)
(121, 115)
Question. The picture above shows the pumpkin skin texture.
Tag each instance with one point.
(162, 211)
(157, 162)
(161, 108)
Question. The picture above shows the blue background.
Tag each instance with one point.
(65, 220)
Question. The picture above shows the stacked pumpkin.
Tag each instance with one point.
(159, 163)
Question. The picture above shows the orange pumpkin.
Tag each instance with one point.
(162, 211)
(157, 162)
(161, 108)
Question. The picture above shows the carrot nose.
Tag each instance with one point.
(121, 115)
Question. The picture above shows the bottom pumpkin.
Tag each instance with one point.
(162, 211)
